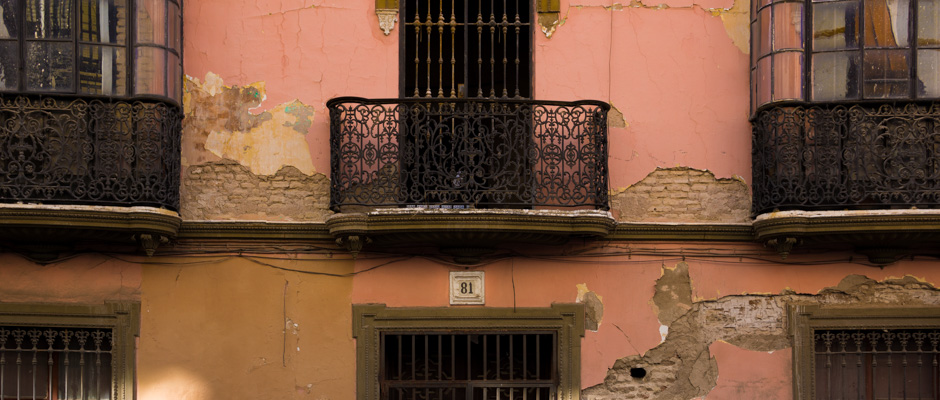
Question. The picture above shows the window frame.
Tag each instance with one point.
(804, 319)
(172, 87)
(404, 63)
(370, 321)
(808, 54)
(123, 318)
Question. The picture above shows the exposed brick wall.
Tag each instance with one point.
(228, 191)
(683, 195)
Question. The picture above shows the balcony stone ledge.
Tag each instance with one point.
(882, 235)
(42, 231)
(466, 234)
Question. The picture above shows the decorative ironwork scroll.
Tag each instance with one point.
(468, 153)
(846, 157)
(68, 150)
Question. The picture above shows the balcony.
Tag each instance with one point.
(87, 169)
(862, 175)
(476, 172)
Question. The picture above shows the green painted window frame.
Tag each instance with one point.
(803, 320)
(123, 318)
(371, 320)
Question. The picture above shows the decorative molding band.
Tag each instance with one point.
(77, 221)
(256, 230)
(677, 231)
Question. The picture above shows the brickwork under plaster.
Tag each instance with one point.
(683, 194)
(226, 190)
(682, 367)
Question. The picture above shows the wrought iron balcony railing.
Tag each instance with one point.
(89, 151)
(468, 153)
(838, 157)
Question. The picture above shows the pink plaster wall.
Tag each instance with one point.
(745, 374)
(713, 279)
(629, 325)
(674, 73)
(87, 279)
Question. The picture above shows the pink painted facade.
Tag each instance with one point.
(253, 298)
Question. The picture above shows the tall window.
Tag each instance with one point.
(466, 48)
(855, 50)
(866, 353)
(91, 47)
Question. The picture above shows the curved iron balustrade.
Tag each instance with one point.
(468, 153)
(854, 156)
(89, 151)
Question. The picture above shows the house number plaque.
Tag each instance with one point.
(466, 287)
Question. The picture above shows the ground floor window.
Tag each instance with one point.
(868, 353)
(468, 353)
(67, 352)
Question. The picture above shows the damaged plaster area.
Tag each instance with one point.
(226, 190)
(682, 367)
(238, 164)
(683, 194)
(735, 17)
(220, 125)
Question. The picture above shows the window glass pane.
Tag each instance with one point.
(49, 66)
(49, 19)
(174, 76)
(928, 84)
(928, 23)
(8, 19)
(887, 23)
(151, 21)
(764, 21)
(104, 21)
(788, 75)
(835, 76)
(763, 81)
(788, 22)
(886, 74)
(9, 74)
(102, 70)
(173, 29)
(151, 67)
(834, 26)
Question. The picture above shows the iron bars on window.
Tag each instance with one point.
(839, 157)
(466, 48)
(468, 153)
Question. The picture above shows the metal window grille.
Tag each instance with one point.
(55, 363)
(877, 364)
(466, 48)
(469, 366)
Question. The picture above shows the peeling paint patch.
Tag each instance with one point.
(615, 118)
(683, 194)
(593, 307)
(220, 125)
(683, 367)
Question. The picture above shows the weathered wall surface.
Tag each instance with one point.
(229, 191)
(238, 164)
(87, 279)
(683, 195)
(239, 330)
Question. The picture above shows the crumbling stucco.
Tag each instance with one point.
(593, 307)
(615, 118)
(682, 367)
(735, 17)
(220, 125)
(225, 190)
(683, 194)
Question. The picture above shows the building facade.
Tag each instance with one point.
(469, 199)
